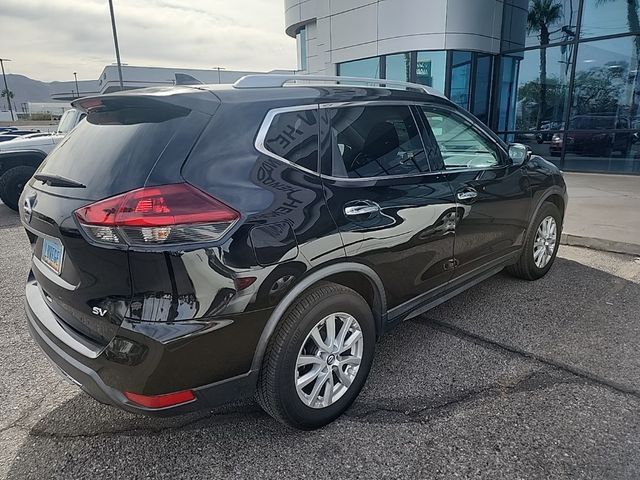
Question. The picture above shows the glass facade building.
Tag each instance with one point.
(570, 90)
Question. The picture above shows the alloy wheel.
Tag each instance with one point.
(329, 360)
(545, 242)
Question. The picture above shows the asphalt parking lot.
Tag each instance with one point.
(509, 380)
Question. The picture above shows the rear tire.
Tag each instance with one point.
(12, 183)
(293, 355)
(539, 252)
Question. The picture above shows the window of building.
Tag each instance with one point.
(482, 88)
(461, 78)
(608, 17)
(376, 141)
(293, 136)
(430, 69)
(301, 40)
(368, 68)
(606, 88)
(543, 84)
(549, 22)
(507, 93)
(398, 67)
(460, 145)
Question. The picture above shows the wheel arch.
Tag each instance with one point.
(555, 195)
(31, 158)
(359, 277)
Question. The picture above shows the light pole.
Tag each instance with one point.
(75, 75)
(115, 42)
(219, 68)
(6, 87)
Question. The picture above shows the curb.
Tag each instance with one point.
(600, 244)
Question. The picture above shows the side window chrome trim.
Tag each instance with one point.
(264, 129)
(413, 175)
(268, 119)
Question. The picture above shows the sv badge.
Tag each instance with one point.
(99, 311)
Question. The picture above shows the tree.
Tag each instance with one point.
(598, 90)
(542, 14)
(8, 94)
(633, 20)
(529, 99)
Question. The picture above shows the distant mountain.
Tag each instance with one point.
(26, 90)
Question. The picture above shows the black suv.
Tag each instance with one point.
(194, 245)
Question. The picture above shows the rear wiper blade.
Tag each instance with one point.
(58, 181)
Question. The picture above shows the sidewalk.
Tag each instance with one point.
(603, 212)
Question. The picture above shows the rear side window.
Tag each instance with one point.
(376, 141)
(293, 136)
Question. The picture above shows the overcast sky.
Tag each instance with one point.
(50, 39)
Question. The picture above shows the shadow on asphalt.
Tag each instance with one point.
(509, 369)
(8, 218)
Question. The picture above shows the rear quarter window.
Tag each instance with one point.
(293, 136)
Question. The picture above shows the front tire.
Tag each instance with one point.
(541, 245)
(319, 357)
(12, 183)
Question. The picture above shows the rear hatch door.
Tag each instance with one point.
(112, 151)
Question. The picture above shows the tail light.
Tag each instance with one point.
(163, 215)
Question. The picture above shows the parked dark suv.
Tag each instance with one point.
(194, 245)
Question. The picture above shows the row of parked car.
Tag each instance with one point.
(22, 151)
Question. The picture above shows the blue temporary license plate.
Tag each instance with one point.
(52, 254)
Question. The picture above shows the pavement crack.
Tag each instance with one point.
(501, 347)
(17, 422)
(533, 381)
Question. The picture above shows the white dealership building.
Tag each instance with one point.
(536, 71)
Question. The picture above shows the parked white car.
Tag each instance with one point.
(20, 157)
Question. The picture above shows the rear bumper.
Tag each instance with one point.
(106, 374)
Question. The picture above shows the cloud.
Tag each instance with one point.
(50, 40)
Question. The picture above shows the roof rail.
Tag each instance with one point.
(279, 80)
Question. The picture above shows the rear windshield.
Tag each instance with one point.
(112, 151)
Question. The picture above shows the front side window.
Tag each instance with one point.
(376, 141)
(460, 145)
(294, 137)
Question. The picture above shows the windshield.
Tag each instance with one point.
(68, 121)
(113, 151)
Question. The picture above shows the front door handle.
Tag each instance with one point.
(361, 208)
(466, 195)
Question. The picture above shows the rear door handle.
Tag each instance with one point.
(360, 208)
(467, 194)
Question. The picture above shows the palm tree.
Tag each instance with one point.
(8, 94)
(632, 14)
(543, 14)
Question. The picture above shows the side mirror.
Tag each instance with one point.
(519, 153)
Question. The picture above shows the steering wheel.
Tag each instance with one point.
(360, 160)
